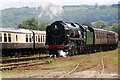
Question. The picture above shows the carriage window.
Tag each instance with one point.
(5, 37)
(44, 38)
(41, 38)
(0, 37)
(26, 38)
(38, 38)
(30, 38)
(9, 37)
(16, 38)
(96, 35)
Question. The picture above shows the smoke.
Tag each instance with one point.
(62, 53)
(51, 11)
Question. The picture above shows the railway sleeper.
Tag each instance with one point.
(7, 68)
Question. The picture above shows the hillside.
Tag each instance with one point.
(11, 17)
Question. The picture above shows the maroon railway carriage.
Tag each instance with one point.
(104, 39)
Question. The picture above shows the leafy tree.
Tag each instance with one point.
(42, 26)
(87, 24)
(33, 24)
(116, 28)
(100, 24)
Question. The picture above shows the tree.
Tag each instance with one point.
(42, 26)
(32, 24)
(100, 24)
(116, 28)
(87, 24)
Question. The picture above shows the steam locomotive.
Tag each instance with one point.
(73, 38)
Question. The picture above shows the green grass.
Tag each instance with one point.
(110, 56)
(118, 44)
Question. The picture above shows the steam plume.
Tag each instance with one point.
(51, 11)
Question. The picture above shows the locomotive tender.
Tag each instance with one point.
(75, 39)
(18, 42)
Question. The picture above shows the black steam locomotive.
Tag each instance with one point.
(73, 38)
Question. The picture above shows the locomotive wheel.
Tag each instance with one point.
(73, 50)
(54, 53)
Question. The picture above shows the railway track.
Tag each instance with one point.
(84, 66)
(76, 66)
(62, 76)
(98, 75)
(102, 68)
(9, 64)
(5, 61)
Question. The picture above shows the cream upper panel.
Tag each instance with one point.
(15, 37)
(22, 38)
(40, 36)
(19, 35)
(7, 37)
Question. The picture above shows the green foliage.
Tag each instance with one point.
(116, 28)
(99, 24)
(90, 14)
(11, 17)
(87, 24)
(42, 26)
(48, 61)
(118, 44)
(32, 24)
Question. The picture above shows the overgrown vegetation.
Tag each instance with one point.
(118, 44)
(116, 28)
(33, 24)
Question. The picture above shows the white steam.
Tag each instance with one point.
(51, 11)
(62, 53)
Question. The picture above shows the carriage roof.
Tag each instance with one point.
(15, 30)
(20, 30)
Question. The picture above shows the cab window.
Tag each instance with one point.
(74, 34)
